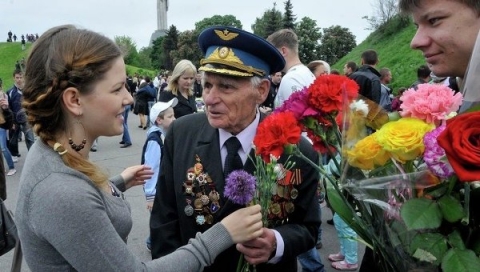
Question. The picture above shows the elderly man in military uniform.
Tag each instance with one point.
(236, 68)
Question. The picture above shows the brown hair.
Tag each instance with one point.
(407, 6)
(64, 57)
(284, 37)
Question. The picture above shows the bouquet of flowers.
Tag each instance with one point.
(270, 186)
(407, 188)
(411, 186)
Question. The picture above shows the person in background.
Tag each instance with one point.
(349, 68)
(334, 72)
(197, 86)
(297, 77)
(6, 122)
(385, 79)
(268, 105)
(180, 86)
(144, 95)
(75, 92)
(367, 77)
(423, 76)
(396, 102)
(236, 66)
(126, 140)
(162, 117)
(19, 118)
(319, 67)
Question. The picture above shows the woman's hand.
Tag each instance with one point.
(244, 224)
(136, 175)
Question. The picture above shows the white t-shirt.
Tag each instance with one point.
(296, 78)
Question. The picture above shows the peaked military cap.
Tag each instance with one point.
(235, 52)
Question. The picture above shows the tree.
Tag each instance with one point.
(309, 35)
(128, 48)
(336, 42)
(144, 59)
(289, 19)
(383, 11)
(156, 55)
(169, 44)
(225, 20)
(187, 48)
(271, 21)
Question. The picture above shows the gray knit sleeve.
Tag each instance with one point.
(197, 254)
(119, 182)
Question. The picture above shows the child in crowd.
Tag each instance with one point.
(161, 116)
(347, 258)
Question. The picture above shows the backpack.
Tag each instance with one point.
(154, 136)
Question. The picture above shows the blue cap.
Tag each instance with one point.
(235, 52)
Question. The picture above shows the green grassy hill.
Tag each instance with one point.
(394, 53)
(11, 52)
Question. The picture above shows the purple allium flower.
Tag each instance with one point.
(434, 155)
(240, 187)
(298, 104)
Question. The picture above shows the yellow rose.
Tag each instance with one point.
(367, 153)
(403, 139)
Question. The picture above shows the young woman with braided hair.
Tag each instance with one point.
(70, 215)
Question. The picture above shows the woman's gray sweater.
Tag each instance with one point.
(65, 223)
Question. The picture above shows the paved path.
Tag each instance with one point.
(114, 159)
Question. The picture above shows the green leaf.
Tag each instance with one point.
(345, 212)
(425, 256)
(475, 244)
(457, 260)
(456, 240)
(429, 247)
(421, 213)
(451, 208)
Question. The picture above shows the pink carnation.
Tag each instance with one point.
(298, 104)
(435, 156)
(430, 102)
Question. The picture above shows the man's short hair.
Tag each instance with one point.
(17, 72)
(407, 6)
(370, 57)
(384, 72)
(423, 71)
(284, 37)
(352, 65)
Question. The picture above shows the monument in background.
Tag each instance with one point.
(162, 26)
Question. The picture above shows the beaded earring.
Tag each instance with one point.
(74, 146)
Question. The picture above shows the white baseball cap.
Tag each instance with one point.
(158, 107)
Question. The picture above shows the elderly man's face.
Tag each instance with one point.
(446, 34)
(231, 102)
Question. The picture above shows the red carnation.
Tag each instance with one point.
(274, 133)
(328, 93)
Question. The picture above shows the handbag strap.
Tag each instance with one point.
(17, 257)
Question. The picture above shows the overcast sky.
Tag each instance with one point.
(138, 19)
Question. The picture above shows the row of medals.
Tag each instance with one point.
(196, 185)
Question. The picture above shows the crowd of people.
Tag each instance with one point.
(12, 37)
(82, 94)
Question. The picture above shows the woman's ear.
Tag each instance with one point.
(71, 101)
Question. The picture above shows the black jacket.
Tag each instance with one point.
(368, 78)
(171, 228)
(185, 106)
